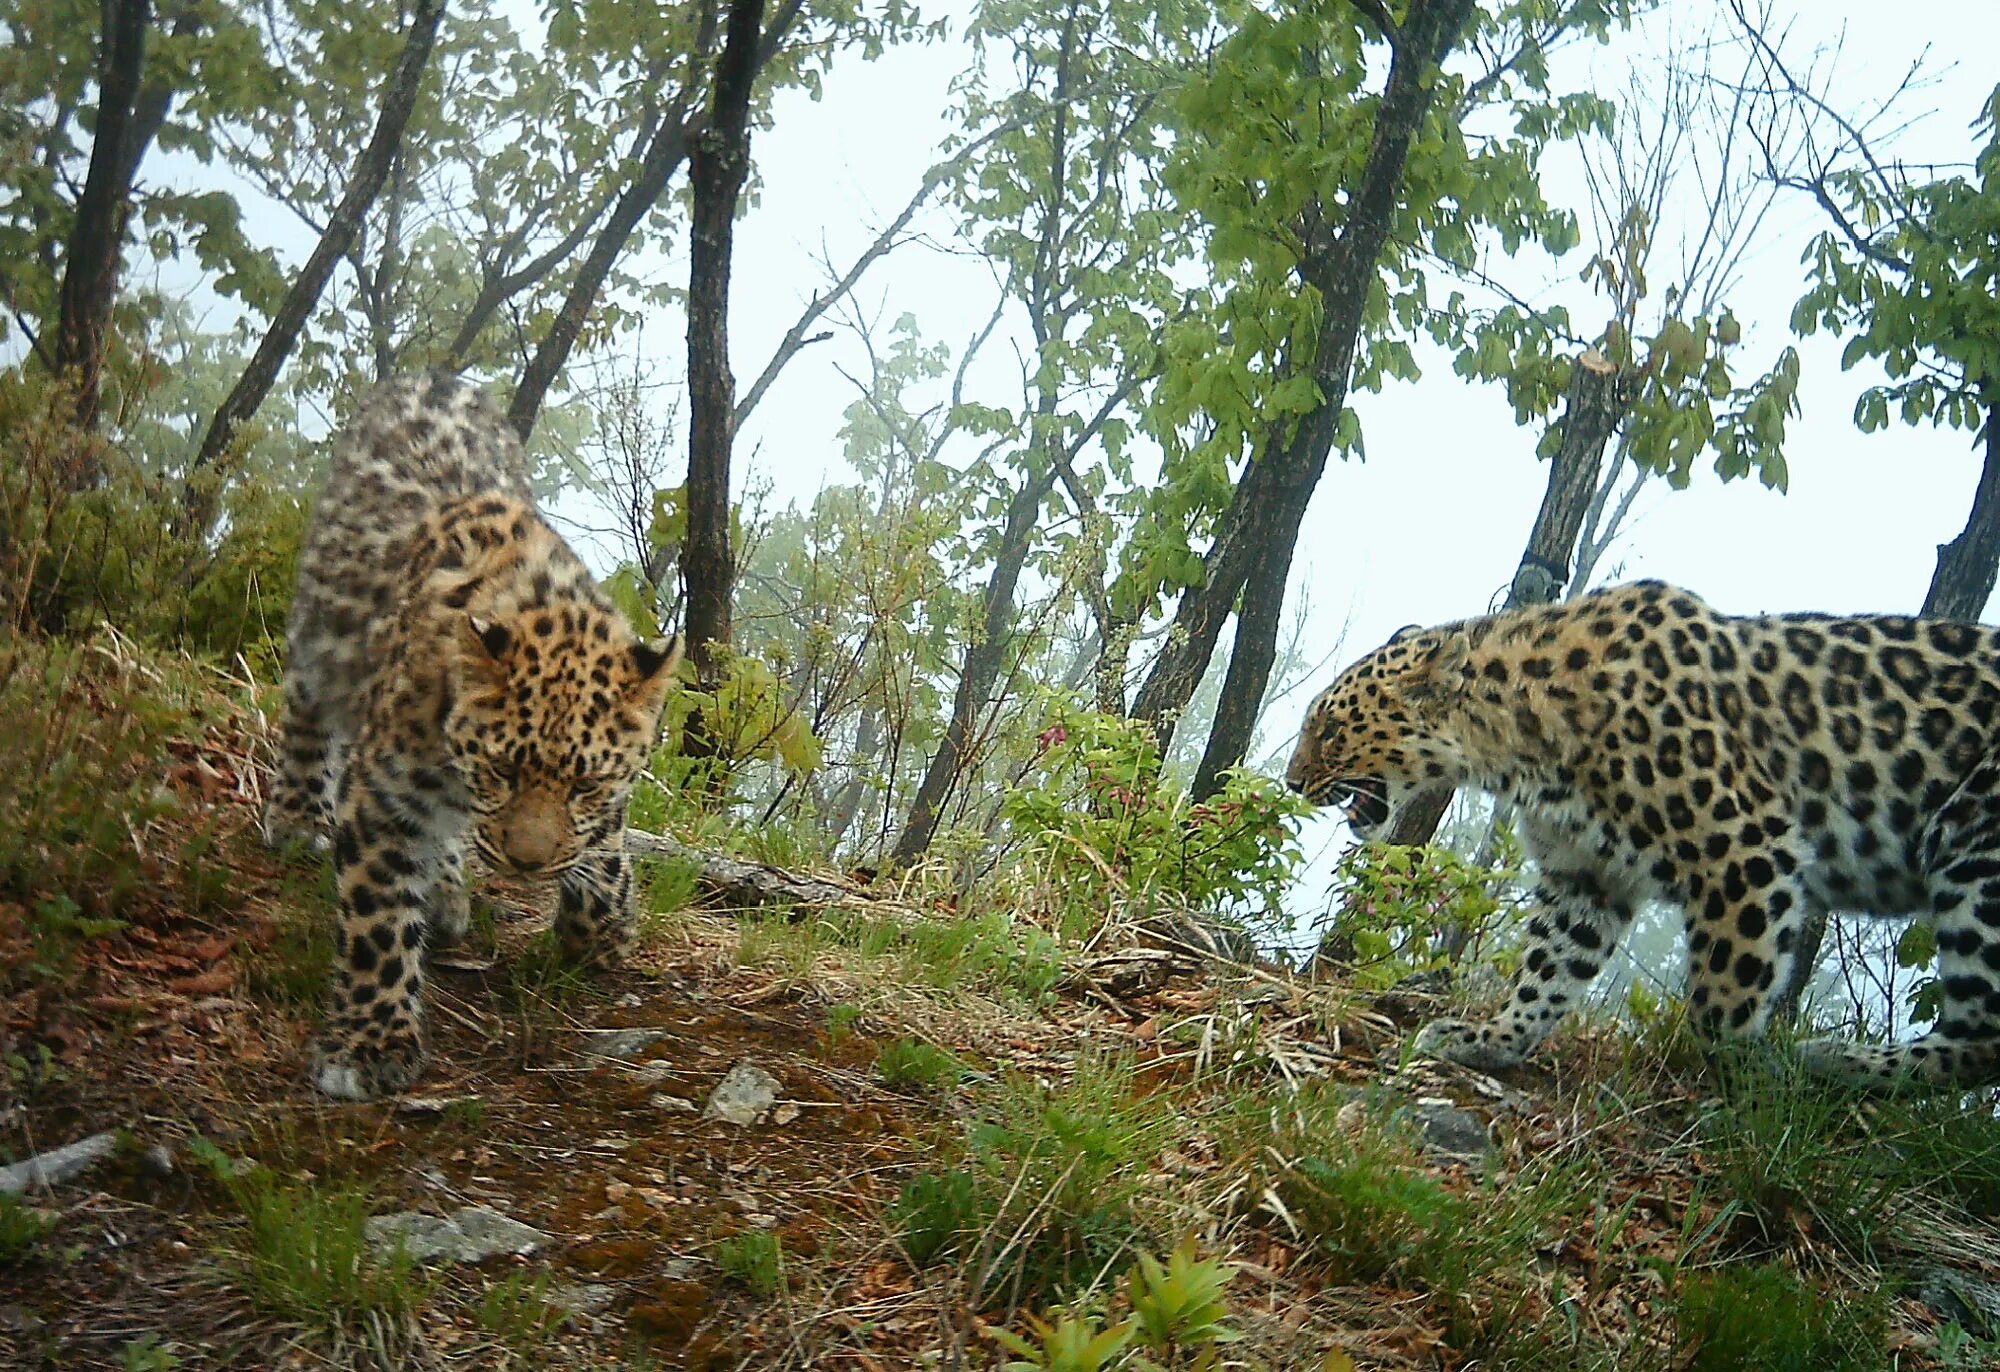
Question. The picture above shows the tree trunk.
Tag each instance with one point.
(720, 159)
(1260, 528)
(983, 660)
(1599, 397)
(678, 133)
(1966, 566)
(90, 267)
(371, 170)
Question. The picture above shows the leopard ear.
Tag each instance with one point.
(496, 639)
(656, 658)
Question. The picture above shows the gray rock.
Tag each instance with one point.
(652, 1073)
(472, 1235)
(622, 1043)
(1452, 1133)
(1972, 1302)
(58, 1165)
(673, 1105)
(746, 1092)
(583, 1298)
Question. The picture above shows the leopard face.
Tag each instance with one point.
(552, 715)
(1380, 732)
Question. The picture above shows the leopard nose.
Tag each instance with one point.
(534, 832)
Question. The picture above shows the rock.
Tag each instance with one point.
(673, 1105)
(58, 1165)
(582, 1298)
(431, 1105)
(621, 1043)
(159, 1160)
(1452, 1133)
(652, 1073)
(472, 1235)
(1973, 1303)
(785, 1113)
(746, 1092)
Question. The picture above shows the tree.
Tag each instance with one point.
(1063, 196)
(371, 170)
(1320, 200)
(96, 241)
(1670, 178)
(1909, 272)
(720, 161)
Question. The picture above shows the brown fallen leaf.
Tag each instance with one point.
(209, 983)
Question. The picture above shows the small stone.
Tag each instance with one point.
(652, 1073)
(747, 1091)
(472, 1235)
(622, 1043)
(431, 1105)
(159, 1160)
(673, 1105)
(616, 1191)
(58, 1165)
(583, 1298)
(1451, 1132)
(785, 1113)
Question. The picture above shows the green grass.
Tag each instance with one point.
(992, 953)
(305, 1256)
(22, 1229)
(755, 1259)
(1044, 1193)
(1766, 1318)
(516, 1310)
(912, 1063)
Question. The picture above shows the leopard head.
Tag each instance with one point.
(554, 713)
(1380, 733)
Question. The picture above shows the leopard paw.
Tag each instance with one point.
(450, 916)
(1468, 1045)
(349, 1070)
(287, 828)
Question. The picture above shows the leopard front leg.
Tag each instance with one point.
(594, 920)
(386, 855)
(298, 805)
(1573, 931)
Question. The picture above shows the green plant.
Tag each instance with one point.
(1410, 910)
(1099, 809)
(1961, 1351)
(1765, 1317)
(755, 1258)
(840, 1022)
(1793, 1148)
(1073, 1343)
(938, 1214)
(22, 1227)
(146, 1354)
(517, 1310)
(1179, 1307)
(1061, 1172)
(914, 1063)
(306, 1255)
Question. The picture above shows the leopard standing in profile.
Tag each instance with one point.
(455, 676)
(1752, 770)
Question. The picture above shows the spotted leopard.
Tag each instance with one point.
(454, 676)
(1751, 770)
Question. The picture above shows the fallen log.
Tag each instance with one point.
(745, 885)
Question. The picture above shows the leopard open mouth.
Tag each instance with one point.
(1364, 800)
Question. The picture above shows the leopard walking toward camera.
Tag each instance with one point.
(456, 679)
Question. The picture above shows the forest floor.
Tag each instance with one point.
(959, 1131)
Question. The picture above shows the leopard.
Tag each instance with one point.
(456, 681)
(1757, 771)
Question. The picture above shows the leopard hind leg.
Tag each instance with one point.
(1962, 850)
